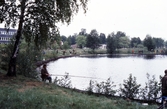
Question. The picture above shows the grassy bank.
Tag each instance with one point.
(25, 93)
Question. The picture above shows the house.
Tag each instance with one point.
(6, 35)
(102, 46)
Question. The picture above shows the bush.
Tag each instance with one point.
(106, 87)
(6, 52)
(63, 81)
(26, 63)
(152, 89)
(26, 60)
(130, 88)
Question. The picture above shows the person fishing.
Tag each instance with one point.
(45, 75)
(164, 90)
(164, 84)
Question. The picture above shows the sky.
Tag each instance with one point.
(137, 18)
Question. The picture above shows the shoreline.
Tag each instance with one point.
(39, 63)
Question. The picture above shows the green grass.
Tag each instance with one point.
(25, 93)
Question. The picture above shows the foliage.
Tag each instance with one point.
(111, 44)
(149, 43)
(124, 42)
(135, 42)
(102, 38)
(166, 44)
(106, 87)
(36, 21)
(26, 63)
(65, 45)
(21, 92)
(40, 16)
(91, 87)
(49, 96)
(92, 40)
(130, 88)
(118, 35)
(81, 41)
(159, 42)
(152, 89)
(63, 38)
(28, 57)
(63, 81)
(6, 50)
(83, 32)
(72, 40)
(140, 46)
(117, 41)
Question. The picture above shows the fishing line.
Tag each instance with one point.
(77, 76)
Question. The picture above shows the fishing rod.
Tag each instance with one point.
(76, 76)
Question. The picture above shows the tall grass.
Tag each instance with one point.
(50, 96)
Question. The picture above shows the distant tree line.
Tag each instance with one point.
(113, 41)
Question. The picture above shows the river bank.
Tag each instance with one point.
(39, 63)
(21, 92)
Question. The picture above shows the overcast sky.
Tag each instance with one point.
(136, 18)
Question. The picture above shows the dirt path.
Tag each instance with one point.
(24, 83)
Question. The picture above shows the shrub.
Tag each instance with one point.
(152, 89)
(130, 88)
(106, 87)
(26, 63)
(26, 60)
(6, 52)
(91, 86)
(63, 81)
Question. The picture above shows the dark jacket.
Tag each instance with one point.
(44, 73)
(164, 85)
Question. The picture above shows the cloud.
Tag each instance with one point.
(136, 18)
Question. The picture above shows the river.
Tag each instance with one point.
(100, 67)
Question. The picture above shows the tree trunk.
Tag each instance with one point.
(12, 62)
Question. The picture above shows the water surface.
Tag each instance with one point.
(102, 67)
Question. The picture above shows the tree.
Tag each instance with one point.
(37, 20)
(65, 45)
(118, 35)
(159, 42)
(111, 43)
(83, 32)
(81, 41)
(135, 42)
(149, 43)
(63, 38)
(124, 42)
(102, 38)
(73, 39)
(166, 44)
(92, 40)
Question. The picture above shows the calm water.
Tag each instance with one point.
(103, 67)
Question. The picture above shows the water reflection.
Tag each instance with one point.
(149, 56)
(119, 55)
